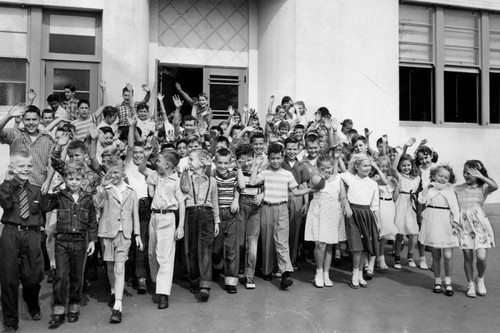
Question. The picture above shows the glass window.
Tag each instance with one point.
(461, 97)
(495, 98)
(70, 34)
(12, 81)
(495, 40)
(461, 37)
(416, 94)
(415, 34)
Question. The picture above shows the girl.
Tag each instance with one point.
(325, 220)
(406, 217)
(388, 194)
(475, 232)
(344, 136)
(361, 226)
(440, 223)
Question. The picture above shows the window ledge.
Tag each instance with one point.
(444, 125)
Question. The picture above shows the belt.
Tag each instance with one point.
(248, 195)
(23, 227)
(200, 207)
(275, 203)
(162, 211)
(403, 192)
(70, 235)
(386, 199)
(437, 207)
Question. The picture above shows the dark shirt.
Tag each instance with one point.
(9, 201)
(72, 217)
(299, 171)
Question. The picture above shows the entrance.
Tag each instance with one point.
(224, 87)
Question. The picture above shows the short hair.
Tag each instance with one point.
(179, 142)
(114, 161)
(66, 128)
(83, 101)
(346, 122)
(138, 144)
(324, 112)
(53, 98)
(286, 99)
(236, 127)
(188, 118)
(124, 90)
(223, 139)
(301, 103)
(202, 153)
(109, 111)
(142, 106)
(222, 153)
(164, 146)
(107, 129)
(19, 153)
(325, 158)
(74, 168)
(357, 138)
(192, 138)
(244, 149)
(71, 87)
(112, 150)
(284, 124)
(77, 144)
(299, 126)
(171, 156)
(32, 109)
(292, 140)
(217, 128)
(257, 135)
(447, 167)
(275, 148)
(311, 139)
(204, 95)
(47, 111)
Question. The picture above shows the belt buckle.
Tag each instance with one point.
(19, 228)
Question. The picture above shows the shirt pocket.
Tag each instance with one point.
(34, 207)
(83, 215)
(63, 215)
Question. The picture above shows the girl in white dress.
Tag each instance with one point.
(325, 218)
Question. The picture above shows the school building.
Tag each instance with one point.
(429, 69)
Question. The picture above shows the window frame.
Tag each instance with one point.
(68, 56)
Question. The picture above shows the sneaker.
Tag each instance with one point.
(142, 288)
(423, 263)
(471, 292)
(318, 280)
(362, 282)
(249, 283)
(481, 288)
(354, 284)
(397, 264)
(411, 263)
(116, 317)
(326, 280)
(204, 294)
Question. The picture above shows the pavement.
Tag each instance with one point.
(395, 301)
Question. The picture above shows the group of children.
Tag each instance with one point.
(244, 199)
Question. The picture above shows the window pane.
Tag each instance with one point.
(223, 95)
(495, 40)
(12, 70)
(461, 37)
(72, 34)
(72, 44)
(80, 78)
(415, 33)
(12, 93)
(461, 102)
(495, 98)
(415, 93)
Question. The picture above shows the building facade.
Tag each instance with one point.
(429, 69)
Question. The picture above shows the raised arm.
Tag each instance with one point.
(98, 112)
(15, 111)
(270, 107)
(146, 89)
(184, 94)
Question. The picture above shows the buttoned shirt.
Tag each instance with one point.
(11, 203)
(124, 112)
(206, 194)
(167, 193)
(40, 148)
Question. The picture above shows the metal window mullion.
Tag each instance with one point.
(439, 62)
(485, 69)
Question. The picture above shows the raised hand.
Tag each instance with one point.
(253, 112)
(258, 160)
(106, 179)
(131, 121)
(245, 108)
(385, 139)
(18, 119)
(271, 100)
(178, 86)
(423, 142)
(102, 84)
(63, 139)
(410, 142)
(177, 101)
(474, 173)
(230, 110)
(335, 123)
(94, 132)
(160, 96)
(31, 95)
(17, 110)
(129, 87)
(145, 87)
(368, 132)
(337, 151)
(269, 118)
(327, 121)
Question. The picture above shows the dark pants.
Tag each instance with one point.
(226, 247)
(21, 260)
(71, 254)
(139, 259)
(199, 240)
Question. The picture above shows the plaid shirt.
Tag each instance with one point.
(40, 149)
(124, 112)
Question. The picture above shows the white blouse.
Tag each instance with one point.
(361, 191)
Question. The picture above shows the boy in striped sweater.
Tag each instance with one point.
(226, 250)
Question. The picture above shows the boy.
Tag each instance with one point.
(70, 103)
(164, 187)
(47, 117)
(297, 205)
(86, 119)
(20, 245)
(110, 113)
(258, 141)
(76, 225)
(147, 125)
(249, 213)
(59, 111)
(274, 225)
(119, 221)
(202, 218)
(193, 142)
(127, 108)
(225, 253)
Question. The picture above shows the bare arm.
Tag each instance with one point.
(98, 112)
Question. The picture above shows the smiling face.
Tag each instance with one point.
(143, 113)
(222, 163)
(193, 145)
(469, 180)
(364, 168)
(312, 148)
(126, 96)
(291, 151)
(116, 174)
(246, 162)
(84, 110)
(442, 176)
(275, 160)
(405, 167)
(31, 120)
(76, 155)
(202, 101)
(385, 167)
(424, 159)
(182, 149)
(258, 145)
(138, 155)
(189, 126)
(47, 118)
(107, 139)
(54, 105)
(326, 168)
(67, 93)
(299, 133)
(21, 168)
(73, 182)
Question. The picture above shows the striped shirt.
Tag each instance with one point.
(82, 127)
(226, 186)
(276, 184)
(40, 148)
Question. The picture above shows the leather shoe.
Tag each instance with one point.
(194, 289)
(267, 277)
(204, 294)
(10, 329)
(37, 316)
(286, 281)
(142, 288)
(73, 317)
(56, 320)
(231, 289)
(163, 302)
(116, 317)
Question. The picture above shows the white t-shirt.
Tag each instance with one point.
(136, 180)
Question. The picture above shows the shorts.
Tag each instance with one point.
(116, 249)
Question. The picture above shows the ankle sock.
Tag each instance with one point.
(118, 305)
(447, 279)
(438, 280)
(410, 255)
(470, 284)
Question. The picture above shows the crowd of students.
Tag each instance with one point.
(244, 197)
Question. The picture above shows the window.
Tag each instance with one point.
(449, 65)
(12, 81)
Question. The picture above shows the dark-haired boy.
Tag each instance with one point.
(70, 102)
(54, 103)
(127, 108)
(110, 114)
(21, 258)
(274, 224)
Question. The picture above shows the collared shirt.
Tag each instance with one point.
(82, 127)
(167, 193)
(298, 170)
(277, 183)
(40, 149)
(136, 179)
(119, 190)
(124, 112)
(311, 165)
(114, 126)
(11, 203)
(361, 191)
(205, 195)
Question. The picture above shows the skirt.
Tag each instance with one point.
(362, 231)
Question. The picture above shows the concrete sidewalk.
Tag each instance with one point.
(396, 301)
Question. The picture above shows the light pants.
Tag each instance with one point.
(161, 251)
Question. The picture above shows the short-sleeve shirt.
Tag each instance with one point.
(361, 191)
(298, 170)
(226, 186)
(276, 184)
(82, 127)
(168, 193)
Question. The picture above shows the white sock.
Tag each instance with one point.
(447, 279)
(118, 305)
(470, 284)
(438, 280)
(480, 279)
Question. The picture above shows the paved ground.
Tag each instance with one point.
(396, 301)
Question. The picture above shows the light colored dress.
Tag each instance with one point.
(388, 228)
(440, 213)
(325, 219)
(406, 216)
(475, 229)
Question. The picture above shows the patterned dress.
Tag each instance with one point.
(475, 228)
(406, 217)
(325, 219)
